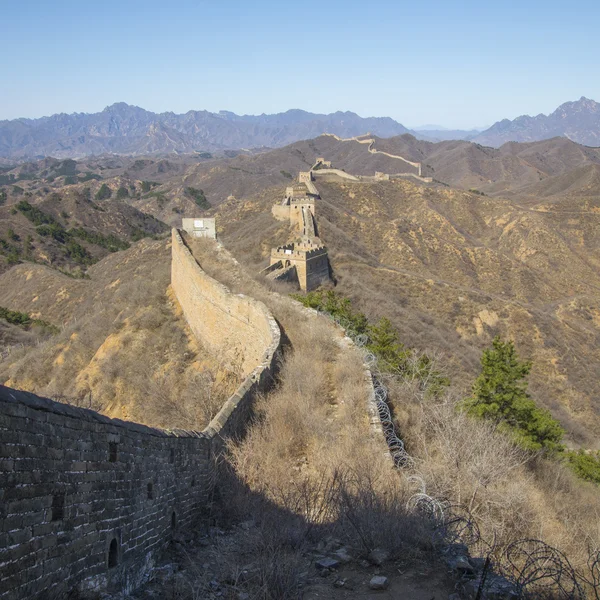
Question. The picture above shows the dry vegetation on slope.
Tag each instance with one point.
(311, 455)
(69, 231)
(124, 347)
(311, 473)
(453, 269)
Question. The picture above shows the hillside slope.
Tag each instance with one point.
(453, 269)
(69, 230)
(123, 348)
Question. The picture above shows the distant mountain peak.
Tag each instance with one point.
(583, 104)
(116, 106)
(577, 120)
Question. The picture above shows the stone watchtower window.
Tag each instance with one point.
(112, 451)
(58, 506)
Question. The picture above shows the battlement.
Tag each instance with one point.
(320, 162)
(297, 190)
(302, 251)
(301, 200)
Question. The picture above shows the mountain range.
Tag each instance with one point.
(579, 121)
(125, 129)
(129, 130)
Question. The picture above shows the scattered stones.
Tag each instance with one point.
(346, 583)
(378, 556)
(379, 582)
(327, 563)
(461, 565)
(496, 587)
(331, 543)
(478, 563)
(343, 556)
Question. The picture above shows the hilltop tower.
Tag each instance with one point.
(305, 259)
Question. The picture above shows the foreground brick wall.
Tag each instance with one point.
(88, 502)
(72, 481)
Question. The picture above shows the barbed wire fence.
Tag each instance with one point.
(526, 569)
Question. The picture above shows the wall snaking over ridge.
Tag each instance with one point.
(88, 502)
(235, 327)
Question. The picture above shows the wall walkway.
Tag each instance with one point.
(371, 148)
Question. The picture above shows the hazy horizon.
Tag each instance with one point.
(434, 63)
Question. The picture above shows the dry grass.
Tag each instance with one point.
(126, 350)
(310, 468)
(512, 494)
(311, 455)
(464, 461)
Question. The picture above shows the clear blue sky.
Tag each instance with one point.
(455, 63)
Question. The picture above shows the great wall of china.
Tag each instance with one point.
(88, 502)
(304, 260)
(370, 142)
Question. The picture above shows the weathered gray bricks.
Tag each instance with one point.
(89, 502)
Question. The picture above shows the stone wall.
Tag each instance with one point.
(414, 167)
(281, 211)
(88, 502)
(306, 177)
(342, 174)
(314, 271)
(234, 327)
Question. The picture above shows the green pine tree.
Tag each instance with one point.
(385, 343)
(500, 394)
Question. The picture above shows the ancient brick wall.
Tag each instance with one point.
(316, 270)
(236, 328)
(88, 502)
